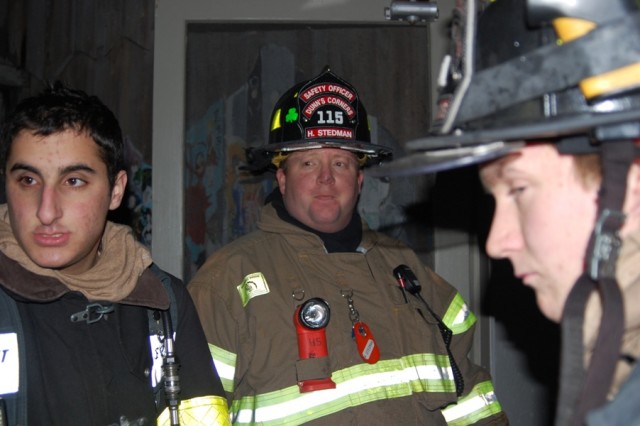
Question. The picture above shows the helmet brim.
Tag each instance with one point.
(355, 146)
(444, 159)
(260, 158)
(439, 153)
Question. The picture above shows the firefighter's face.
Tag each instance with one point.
(544, 215)
(58, 195)
(320, 187)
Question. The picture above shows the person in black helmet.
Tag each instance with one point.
(552, 115)
(306, 318)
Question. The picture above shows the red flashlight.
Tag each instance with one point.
(311, 318)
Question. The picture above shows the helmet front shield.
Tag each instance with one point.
(324, 112)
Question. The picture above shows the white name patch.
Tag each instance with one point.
(9, 363)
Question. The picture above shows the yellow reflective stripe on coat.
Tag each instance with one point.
(480, 403)
(204, 410)
(225, 363)
(355, 386)
(459, 317)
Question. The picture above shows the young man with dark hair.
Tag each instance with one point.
(81, 298)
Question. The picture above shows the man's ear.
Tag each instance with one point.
(117, 192)
(281, 177)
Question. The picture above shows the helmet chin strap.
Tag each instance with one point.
(582, 390)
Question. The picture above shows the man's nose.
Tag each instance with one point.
(49, 206)
(326, 174)
(504, 236)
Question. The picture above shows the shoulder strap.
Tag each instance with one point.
(161, 323)
(154, 324)
(13, 407)
(165, 323)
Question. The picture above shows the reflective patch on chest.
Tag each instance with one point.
(9, 363)
(158, 353)
(252, 285)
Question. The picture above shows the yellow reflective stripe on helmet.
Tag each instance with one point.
(275, 123)
(459, 317)
(355, 386)
(204, 410)
(606, 83)
(611, 82)
(225, 363)
(479, 404)
(569, 29)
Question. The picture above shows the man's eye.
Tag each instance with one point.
(517, 190)
(27, 180)
(74, 181)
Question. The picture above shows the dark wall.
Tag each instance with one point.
(103, 48)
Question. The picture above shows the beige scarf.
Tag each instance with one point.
(112, 278)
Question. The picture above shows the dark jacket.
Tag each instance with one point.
(81, 373)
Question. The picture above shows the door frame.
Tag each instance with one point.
(169, 65)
